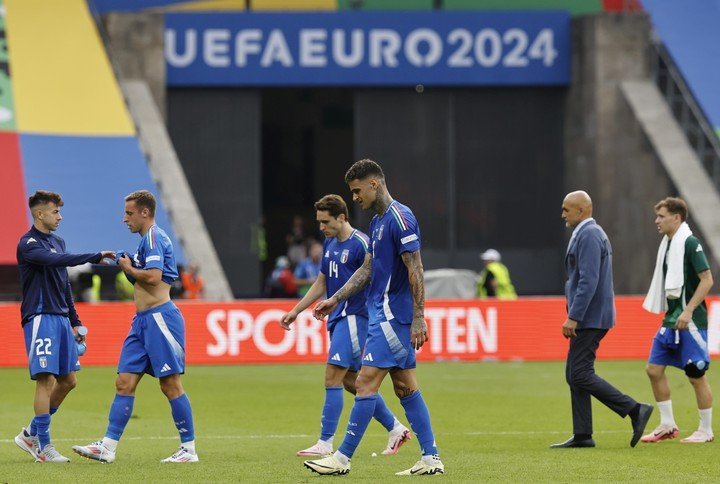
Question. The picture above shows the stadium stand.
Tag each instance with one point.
(73, 133)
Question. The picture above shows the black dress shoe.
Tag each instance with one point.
(572, 443)
(640, 422)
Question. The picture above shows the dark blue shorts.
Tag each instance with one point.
(347, 339)
(156, 342)
(678, 348)
(388, 346)
(50, 345)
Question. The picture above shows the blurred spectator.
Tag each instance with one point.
(81, 280)
(297, 249)
(176, 288)
(308, 269)
(261, 241)
(124, 289)
(281, 282)
(193, 283)
(494, 279)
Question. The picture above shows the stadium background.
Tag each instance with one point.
(483, 158)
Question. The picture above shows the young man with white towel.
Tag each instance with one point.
(680, 283)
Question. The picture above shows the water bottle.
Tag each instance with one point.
(81, 346)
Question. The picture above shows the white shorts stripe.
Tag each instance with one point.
(693, 330)
(396, 347)
(177, 349)
(35, 329)
(352, 327)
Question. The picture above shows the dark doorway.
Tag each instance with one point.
(307, 145)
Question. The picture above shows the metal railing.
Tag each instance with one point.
(687, 111)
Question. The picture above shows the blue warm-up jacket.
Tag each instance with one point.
(43, 275)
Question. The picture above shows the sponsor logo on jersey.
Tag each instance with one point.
(368, 357)
(345, 255)
(699, 248)
(52, 249)
(336, 357)
(165, 367)
(327, 253)
(30, 240)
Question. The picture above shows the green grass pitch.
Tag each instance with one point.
(493, 422)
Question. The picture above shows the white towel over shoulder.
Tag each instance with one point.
(656, 299)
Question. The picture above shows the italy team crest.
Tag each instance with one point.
(344, 256)
(43, 362)
(380, 232)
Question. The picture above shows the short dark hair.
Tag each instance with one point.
(362, 169)
(143, 199)
(42, 197)
(674, 205)
(333, 204)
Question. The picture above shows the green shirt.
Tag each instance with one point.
(694, 263)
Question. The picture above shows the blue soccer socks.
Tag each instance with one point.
(417, 414)
(32, 428)
(42, 425)
(383, 414)
(331, 412)
(182, 415)
(120, 412)
(360, 416)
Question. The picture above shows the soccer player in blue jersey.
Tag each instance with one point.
(343, 252)
(156, 342)
(396, 307)
(49, 320)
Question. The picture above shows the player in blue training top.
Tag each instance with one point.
(344, 251)
(49, 319)
(396, 308)
(156, 342)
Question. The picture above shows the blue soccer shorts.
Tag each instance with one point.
(50, 345)
(388, 346)
(347, 338)
(156, 343)
(678, 348)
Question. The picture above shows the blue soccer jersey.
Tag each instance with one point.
(340, 261)
(393, 233)
(156, 252)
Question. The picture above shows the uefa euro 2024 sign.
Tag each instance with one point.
(368, 49)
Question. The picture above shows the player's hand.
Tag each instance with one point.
(568, 328)
(124, 262)
(684, 320)
(418, 332)
(324, 308)
(105, 255)
(287, 319)
(80, 338)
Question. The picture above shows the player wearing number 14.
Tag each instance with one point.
(344, 251)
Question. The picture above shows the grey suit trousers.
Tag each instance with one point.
(580, 375)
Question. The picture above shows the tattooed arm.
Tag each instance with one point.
(418, 328)
(355, 284)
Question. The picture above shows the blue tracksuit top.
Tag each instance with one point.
(43, 263)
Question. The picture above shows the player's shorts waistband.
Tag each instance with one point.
(30, 318)
(158, 309)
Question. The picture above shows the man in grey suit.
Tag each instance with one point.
(591, 313)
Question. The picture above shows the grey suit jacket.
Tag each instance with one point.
(589, 288)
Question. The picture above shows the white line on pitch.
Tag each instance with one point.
(305, 436)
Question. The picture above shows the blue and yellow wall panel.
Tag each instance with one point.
(64, 127)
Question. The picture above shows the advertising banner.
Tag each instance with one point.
(368, 48)
(248, 332)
